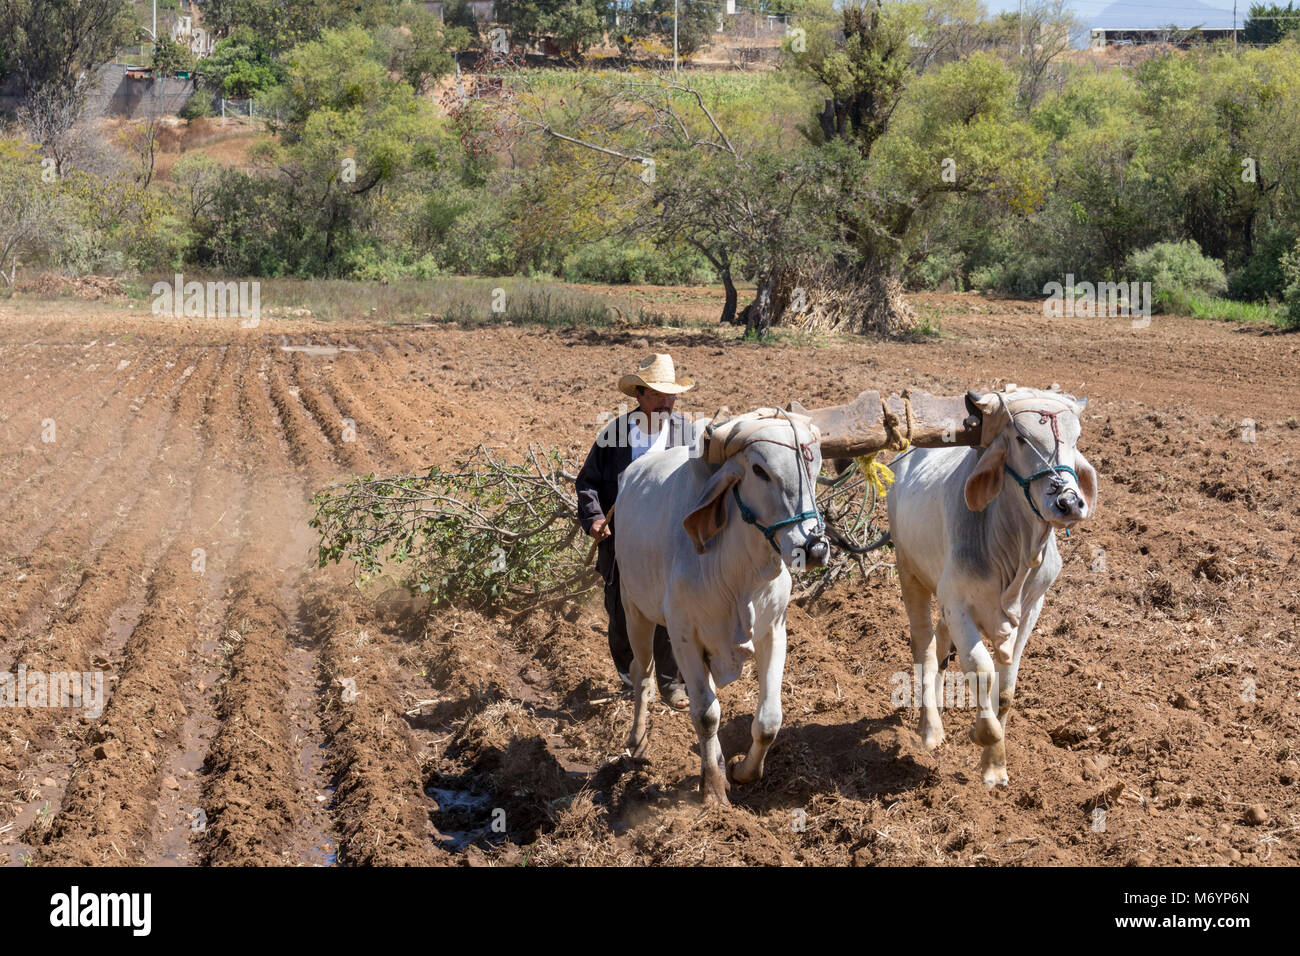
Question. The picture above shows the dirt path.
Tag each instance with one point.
(261, 711)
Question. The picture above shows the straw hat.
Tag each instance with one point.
(655, 372)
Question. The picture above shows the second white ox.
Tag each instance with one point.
(703, 542)
(976, 529)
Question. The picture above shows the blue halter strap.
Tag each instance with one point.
(769, 531)
(1025, 482)
(1044, 416)
(747, 513)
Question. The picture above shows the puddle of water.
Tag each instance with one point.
(463, 806)
(319, 351)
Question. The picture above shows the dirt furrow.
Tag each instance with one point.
(262, 794)
(107, 604)
(55, 387)
(219, 526)
(52, 549)
(111, 799)
(311, 449)
(78, 436)
(337, 427)
(380, 426)
(381, 812)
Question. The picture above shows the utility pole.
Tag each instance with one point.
(1234, 24)
(1020, 25)
(675, 2)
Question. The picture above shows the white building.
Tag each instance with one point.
(196, 38)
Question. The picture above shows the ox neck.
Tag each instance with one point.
(750, 558)
(1013, 519)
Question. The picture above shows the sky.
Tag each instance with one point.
(1135, 13)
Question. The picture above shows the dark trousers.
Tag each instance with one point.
(621, 648)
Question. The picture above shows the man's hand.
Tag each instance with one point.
(600, 529)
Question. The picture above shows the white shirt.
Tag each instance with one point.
(642, 443)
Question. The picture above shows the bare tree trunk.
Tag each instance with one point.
(758, 314)
(729, 308)
(771, 301)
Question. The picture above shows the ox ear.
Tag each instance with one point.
(1087, 480)
(709, 515)
(1079, 405)
(985, 481)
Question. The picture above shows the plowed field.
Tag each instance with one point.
(155, 477)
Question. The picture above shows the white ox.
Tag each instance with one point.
(703, 545)
(985, 547)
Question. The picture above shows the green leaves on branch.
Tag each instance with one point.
(484, 533)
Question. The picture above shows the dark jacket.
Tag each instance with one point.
(597, 483)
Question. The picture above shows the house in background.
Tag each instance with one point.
(1101, 37)
(187, 30)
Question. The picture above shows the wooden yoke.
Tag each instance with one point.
(867, 424)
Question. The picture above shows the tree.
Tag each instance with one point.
(1045, 27)
(241, 66)
(1269, 23)
(49, 116)
(864, 63)
(903, 139)
(29, 212)
(283, 24)
(139, 136)
(171, 57)
(648, 158)
(572, 25)
(420, 49)
(350, 130)
(457, 14)
(54, 42)
(648, 24)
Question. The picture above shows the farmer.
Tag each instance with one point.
(654, 426)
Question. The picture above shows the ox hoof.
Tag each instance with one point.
(734, 773)
(986, 732)
(715, 794)
(995, 777)
(932, 737)
(638, 751)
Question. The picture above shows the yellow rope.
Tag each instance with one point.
(880, 476)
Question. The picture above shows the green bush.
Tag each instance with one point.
(935, 269)
(1177, 272)
(240, 66)
(1291, 294)
(198, 106)
(1261, 277)
(171, 57)
(479, 240)
(371, 264)
(616, 260)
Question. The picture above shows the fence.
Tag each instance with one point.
(245, 111)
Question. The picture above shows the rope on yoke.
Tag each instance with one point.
(881, 476)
